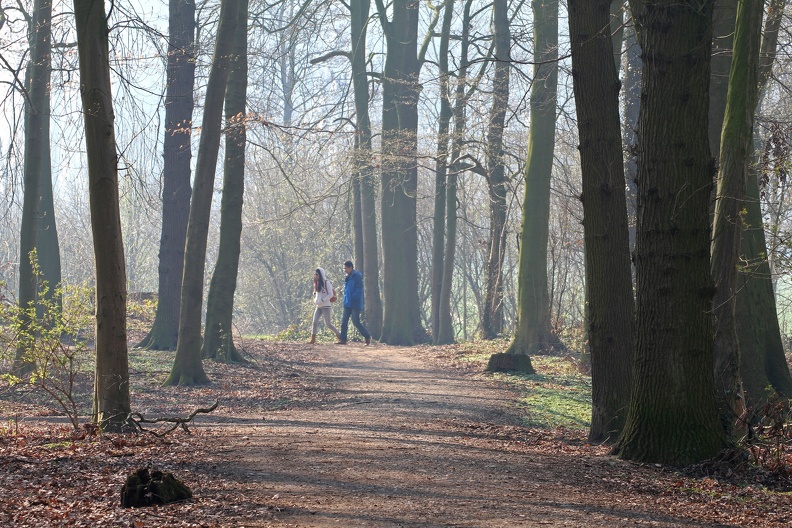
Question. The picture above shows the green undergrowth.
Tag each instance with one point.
(558, 395)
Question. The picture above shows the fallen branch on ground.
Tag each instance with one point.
(138, 419)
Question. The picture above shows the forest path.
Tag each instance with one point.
(399, 440)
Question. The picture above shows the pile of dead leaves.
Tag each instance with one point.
(51, 477)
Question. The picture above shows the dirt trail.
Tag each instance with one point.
(399, 441)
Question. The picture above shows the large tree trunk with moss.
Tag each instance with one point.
(401, 324)
(609, 293)
(735, 155)
(176, 173)
(762, 360)
(532, 330)
(218, 340)
(723, 19)
(111, 405)
(187, 366)
(365, 177)
(673, 418)
(492, 315)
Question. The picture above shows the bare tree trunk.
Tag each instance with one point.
(111, 405)
(673, 417)
(762, 360)
(735, 155)
(218, 340)
(37, 169)
(632, 105)
(445, 332)
(47, 245)
(47, 242)
(176, 173)
(464, 89)
(723, 19)
(401, 323)
(357, 223)
(532, 330)
(617, 27)
(492, 317)
(365, 177)
(187, 367)
(441, 176)
(609, 296)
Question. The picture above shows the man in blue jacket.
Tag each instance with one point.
(353, 303)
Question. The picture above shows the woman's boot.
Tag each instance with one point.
(312, 341)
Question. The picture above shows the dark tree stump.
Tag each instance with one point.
(505, 362)
(146, 489)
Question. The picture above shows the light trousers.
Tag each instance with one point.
(323, 311)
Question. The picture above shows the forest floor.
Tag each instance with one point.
(353, 436)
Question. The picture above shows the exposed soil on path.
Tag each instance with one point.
(401, 440)
(350, 436)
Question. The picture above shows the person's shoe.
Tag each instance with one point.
(368, 341)
(339, 342)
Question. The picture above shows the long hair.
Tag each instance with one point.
(320, 283)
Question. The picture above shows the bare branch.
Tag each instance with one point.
(473, 166)
(331, 55)
(15, 71)
(137, 419)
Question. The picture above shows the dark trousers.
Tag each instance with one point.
(355, 314)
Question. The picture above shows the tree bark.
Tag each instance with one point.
(463, 91)
(111, 406)
(762, 360)
(723, 19)
(37, 208)
(401, 323)
(673, 418)
(735, 155)
(218, 340)
(441, 176)
(532, 329)
(617, 27)
(176, 174)
(47, 245)
(357, 223)
(492, 316)
(187, 366)
(609, 293)
(366, 180)
(632, 105)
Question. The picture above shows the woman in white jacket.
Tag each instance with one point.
(324, 295)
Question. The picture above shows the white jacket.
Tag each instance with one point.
(322, 298)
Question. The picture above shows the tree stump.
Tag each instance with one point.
(505, 362)
(146, 489)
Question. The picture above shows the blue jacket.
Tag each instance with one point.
(353, 290)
